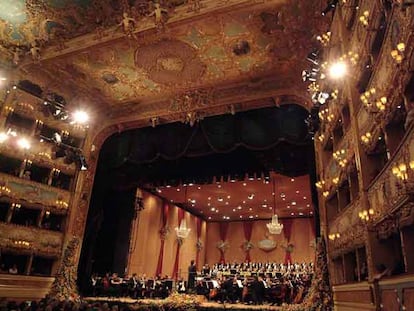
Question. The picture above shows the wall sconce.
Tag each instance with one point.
(313, 87)
(364, 19)
(61, 204)
(366, 96)
(401, 171)
(381, 103)
(366, 215)
(320, 184)
(367, 99)
(398, 53)
(16, 206)
(21, 243)
(339, 156)
(334, 236)
(335, 180)
(321, 138)
(366, 138)
(324, 38)
(4, 190)
(325, 194)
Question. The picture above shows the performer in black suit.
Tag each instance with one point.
(192, 272)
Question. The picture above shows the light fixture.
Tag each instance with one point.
(330, 7)
(364, 19)
(274, 226)
(334, 236)
(366, 215)
(182, 231)
(3, 137)
(80, 117)
(398, 53)
(338, 70)
(401, 170)
(23, 143)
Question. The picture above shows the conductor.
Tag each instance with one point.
(192, 272)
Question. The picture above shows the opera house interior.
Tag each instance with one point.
(207, 154)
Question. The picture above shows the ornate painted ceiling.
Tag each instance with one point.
(129, 56)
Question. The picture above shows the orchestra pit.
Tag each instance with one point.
(206, 155)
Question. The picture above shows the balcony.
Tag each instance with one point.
(28, 240)
(33, 192)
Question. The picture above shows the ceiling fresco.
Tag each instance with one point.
(127, 53)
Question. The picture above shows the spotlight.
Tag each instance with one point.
(313, 57)
(57, 138)
(82, 163)
(330, 7)
(23, 143)
(338, 70)
(80, 117)
(312, 75)
(3, 137)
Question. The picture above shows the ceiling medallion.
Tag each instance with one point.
(170, 62)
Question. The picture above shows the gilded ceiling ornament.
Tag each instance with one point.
(128, 25)
(160, 15)
(170, 62)
(192, 100)
(194, 5)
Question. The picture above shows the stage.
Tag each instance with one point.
(177, 302)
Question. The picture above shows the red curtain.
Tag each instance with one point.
(164, 218)
(224, 227)
(313, 226)
(248, 229)
(287, 231)
(198, 225)
(177, 254)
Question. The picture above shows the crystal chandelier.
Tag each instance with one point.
(182, 231)
(274, 226)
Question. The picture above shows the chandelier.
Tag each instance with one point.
(182, 231)
(274, 226)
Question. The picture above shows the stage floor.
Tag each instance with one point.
(203, 305)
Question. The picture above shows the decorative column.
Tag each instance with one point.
(199, 244)
(223, 245)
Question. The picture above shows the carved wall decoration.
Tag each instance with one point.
(192, 100)
(170, 61)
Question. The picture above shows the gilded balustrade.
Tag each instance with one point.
(30, 240)
(33, 192)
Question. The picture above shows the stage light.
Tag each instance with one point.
(23, 143)
(3, 137)
(337, 70)
(313, 57)
(57, 138)
(83, 164)
(330, 7)
(80, 117)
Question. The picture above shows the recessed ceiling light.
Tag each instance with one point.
(293, 203)
(311, 213)
(227, 203)
(251, 216)
(244, 202)
(282, 195)
(297, 191)
(171, 200)
(307, 205)
(212, 209)
(239, 207)
(192, 205)
(300, 214)
(250, 209)
(185, 185)
(208, 204)
(159, 190)
(292, 179)
(191, 184)
(219, 186)
(304, 198)
(288, 206)
(273, 193)
(241, 216)
(209, 217)
(251, 196)
(292, 214)
(270, 207)
(178, 189)
(283, 199)
(234, 209)
(228, 197)
(217, 210)
(244, 184)
(209, 198)
(220, 199)
(198, 187)
(264, 205)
